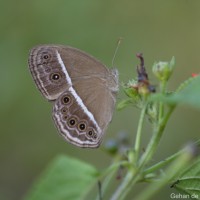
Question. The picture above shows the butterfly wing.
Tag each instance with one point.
(84, 91)
(50, 75)
(46, 71)
(91, 106)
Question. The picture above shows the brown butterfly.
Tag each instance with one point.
(82, 88)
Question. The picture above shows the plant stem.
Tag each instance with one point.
(122, 189)
(152, 146)
(167, 160)
(123, 186)
(134, 180)
(171, 173)
(109, 173)
(106, 184)
(131, 178)
(134, 174)
(161, 105)
(162, 163)
(139, 132)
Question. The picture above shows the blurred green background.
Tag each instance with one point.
(158, 28)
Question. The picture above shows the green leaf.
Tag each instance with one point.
(131, 92)
(189, 181)
(189, 94)
(65, 178)
(124, 103)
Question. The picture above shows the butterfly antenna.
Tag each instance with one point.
(118, 43)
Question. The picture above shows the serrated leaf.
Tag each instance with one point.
(190, 95)
(189, 181)
(65, 178)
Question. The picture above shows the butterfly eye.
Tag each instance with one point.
(55, 76)
(46, 56)
(82, 126)
(66, 99)
(95, 136)
(65, 117)
(64, 110)
(72, 122)
(90, 133)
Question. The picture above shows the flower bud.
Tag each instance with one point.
(143, 90)
(195, 75)
(131, 89)
(163, 70)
